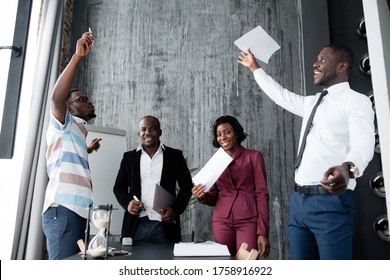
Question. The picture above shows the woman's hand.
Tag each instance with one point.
(198, 190)
(263, 246)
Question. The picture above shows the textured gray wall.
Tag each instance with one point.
(175, 59)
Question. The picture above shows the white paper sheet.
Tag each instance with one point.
(259, 42)
(212, 169)
(208, 248)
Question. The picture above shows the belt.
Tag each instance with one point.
(310, 189)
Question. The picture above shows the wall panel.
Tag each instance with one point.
(176, 60)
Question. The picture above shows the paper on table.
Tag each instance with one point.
(162, 198)
(208, 248)
(259, 42)
(212, 169)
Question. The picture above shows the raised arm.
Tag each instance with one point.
(64, 81)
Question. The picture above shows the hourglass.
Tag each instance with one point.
(101, 216)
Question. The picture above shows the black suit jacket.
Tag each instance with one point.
(128, 183)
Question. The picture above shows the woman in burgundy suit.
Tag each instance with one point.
(240, 194)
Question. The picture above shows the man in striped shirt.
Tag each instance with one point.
(69, 191)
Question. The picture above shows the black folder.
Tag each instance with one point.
(162, 199)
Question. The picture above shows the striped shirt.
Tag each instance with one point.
(67, 165)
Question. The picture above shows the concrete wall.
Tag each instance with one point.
(175, 59)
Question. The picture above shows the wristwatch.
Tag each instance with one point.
(353, 170)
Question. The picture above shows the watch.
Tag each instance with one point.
(353, 170)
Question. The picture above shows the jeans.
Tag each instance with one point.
(62, 228)
(149, 231)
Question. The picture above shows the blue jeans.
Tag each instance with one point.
(149, 231)
(321, 226)
(62, 228)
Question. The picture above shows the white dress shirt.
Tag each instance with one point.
(151, 170)
(342, 129)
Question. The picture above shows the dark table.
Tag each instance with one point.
(148, 251)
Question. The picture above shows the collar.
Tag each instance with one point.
(140, 147)
(79, 120)
(338, 88)
(238, 152)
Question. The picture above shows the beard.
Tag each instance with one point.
(149, 144)
(327, 80)
(91, 115)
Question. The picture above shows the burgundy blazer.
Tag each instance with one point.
(242, 189)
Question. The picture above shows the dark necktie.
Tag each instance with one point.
(308, 127)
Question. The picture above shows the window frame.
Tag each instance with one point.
(14, 82)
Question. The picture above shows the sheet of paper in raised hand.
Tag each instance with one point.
(261, 45)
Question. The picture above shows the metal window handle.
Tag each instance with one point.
(15, 50)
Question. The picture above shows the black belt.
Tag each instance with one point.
(310, 189)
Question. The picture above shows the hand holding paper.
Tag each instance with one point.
(212, 169)
(198, 190)
(248, 60)
(259, 42)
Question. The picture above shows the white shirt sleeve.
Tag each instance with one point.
(288, 100)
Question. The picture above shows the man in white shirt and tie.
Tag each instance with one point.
(337, 149)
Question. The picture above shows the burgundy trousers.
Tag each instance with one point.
(233, 233)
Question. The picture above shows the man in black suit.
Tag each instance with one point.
(140, 170)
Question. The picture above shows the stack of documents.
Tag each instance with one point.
(208, 248)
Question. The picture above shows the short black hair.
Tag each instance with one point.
(151, 117)
(238, 129)
(343, 54)
(70, 94)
